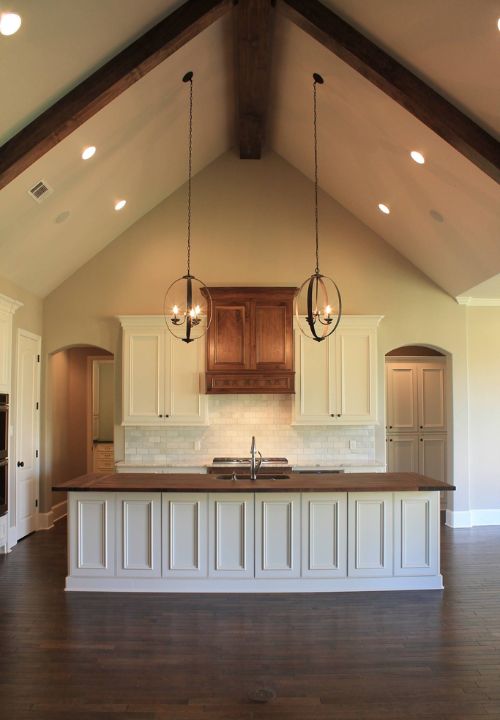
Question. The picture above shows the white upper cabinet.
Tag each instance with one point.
(161, 375)
(336, 380)
(416, 399)
(8, 307)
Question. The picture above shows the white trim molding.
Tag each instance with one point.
(8, 304)
(46, 520)
(477, 301)
(472, 518)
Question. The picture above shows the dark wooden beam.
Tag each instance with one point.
(104, 85)
(253, 58)
(398, 82)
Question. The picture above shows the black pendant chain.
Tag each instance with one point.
(188, 77)
(317, 79)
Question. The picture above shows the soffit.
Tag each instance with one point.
(444, 215)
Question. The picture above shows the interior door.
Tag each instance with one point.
(27, 407)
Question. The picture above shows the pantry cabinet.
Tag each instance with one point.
(8, 307)
(416, 396)
(336, 379)
(161, 375)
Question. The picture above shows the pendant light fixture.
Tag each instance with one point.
(318, 304)
(187, 306)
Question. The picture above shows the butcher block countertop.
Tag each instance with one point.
(294, 482)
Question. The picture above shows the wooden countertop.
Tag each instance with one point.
(296, 482)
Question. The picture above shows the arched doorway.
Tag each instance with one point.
(81, 387)
(418, 412)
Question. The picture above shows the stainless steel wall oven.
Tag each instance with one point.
(4, 452)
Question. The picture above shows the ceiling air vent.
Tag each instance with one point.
(40, 191)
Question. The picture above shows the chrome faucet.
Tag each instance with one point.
(254, 462)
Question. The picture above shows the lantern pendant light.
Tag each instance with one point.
(318, 304)
(187, 306)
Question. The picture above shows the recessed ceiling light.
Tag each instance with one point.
(88, 152)
(498, 23)
(120, 204)
(417, 156)
(383, 208)
(9, 23)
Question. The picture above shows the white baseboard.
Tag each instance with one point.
(472, 518)
(47, 520)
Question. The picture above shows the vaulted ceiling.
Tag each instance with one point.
(444, 214)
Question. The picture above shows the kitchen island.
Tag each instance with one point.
(295, 532)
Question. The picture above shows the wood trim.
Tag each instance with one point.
(104, 85)
(254, 20)
(398, 82)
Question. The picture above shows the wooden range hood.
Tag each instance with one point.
(250, 341)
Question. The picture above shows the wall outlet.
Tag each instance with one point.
(352, 444)
(197, 444)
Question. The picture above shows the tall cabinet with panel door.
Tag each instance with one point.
(416, 416)
(162, 376)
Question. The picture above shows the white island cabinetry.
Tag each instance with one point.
(253, 542)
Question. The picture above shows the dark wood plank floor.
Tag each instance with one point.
(393, 656)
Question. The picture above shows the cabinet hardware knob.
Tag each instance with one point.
(160, 415)
(339, 414)
(20, 463)
(167, 415)
(390, 439)
(421, 427)
(390, 427)
(421, 439)
(332, 414)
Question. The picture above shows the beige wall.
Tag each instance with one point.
(253, 223)
(483, 325)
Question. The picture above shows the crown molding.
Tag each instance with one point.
(8, 304)
(477, 301)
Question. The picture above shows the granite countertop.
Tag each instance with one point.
(292, 482)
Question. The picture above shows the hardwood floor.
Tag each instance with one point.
(393, 655)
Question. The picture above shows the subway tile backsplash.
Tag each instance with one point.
(233, 421)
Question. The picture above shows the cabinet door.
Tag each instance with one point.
(184, 403)
(143, 376)
(273, 335)
(416, 538)
(138, 534)
(324, 535)
(5, 350)
(185, 539)
(229, 346)
(402, 405)
(402, 453)
(277, 535)
(432, 456)
(431, 397)
(314, 397)
(92, 533)
(370, 534)
(356, 375)
(231, 535)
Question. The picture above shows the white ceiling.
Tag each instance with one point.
(444, 215)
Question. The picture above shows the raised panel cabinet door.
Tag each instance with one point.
(184, 403)
(231, 535)
(431, 397)
(402, 453)
(5, 350)
(432, 456)
(138, 534)
(185, 538)
(229, 346)
(277, 535)
(324, 535)
(416, 533)
(143, 376)
(92, 532)
(370, 543)
(273, 336)
(402, 405)
(356, 371)
(314, 393)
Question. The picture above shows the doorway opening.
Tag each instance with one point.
(81, 381)
(418, 412)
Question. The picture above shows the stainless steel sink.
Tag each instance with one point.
(235, 476)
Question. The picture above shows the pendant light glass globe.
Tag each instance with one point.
(318, 303)
(187, 306)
